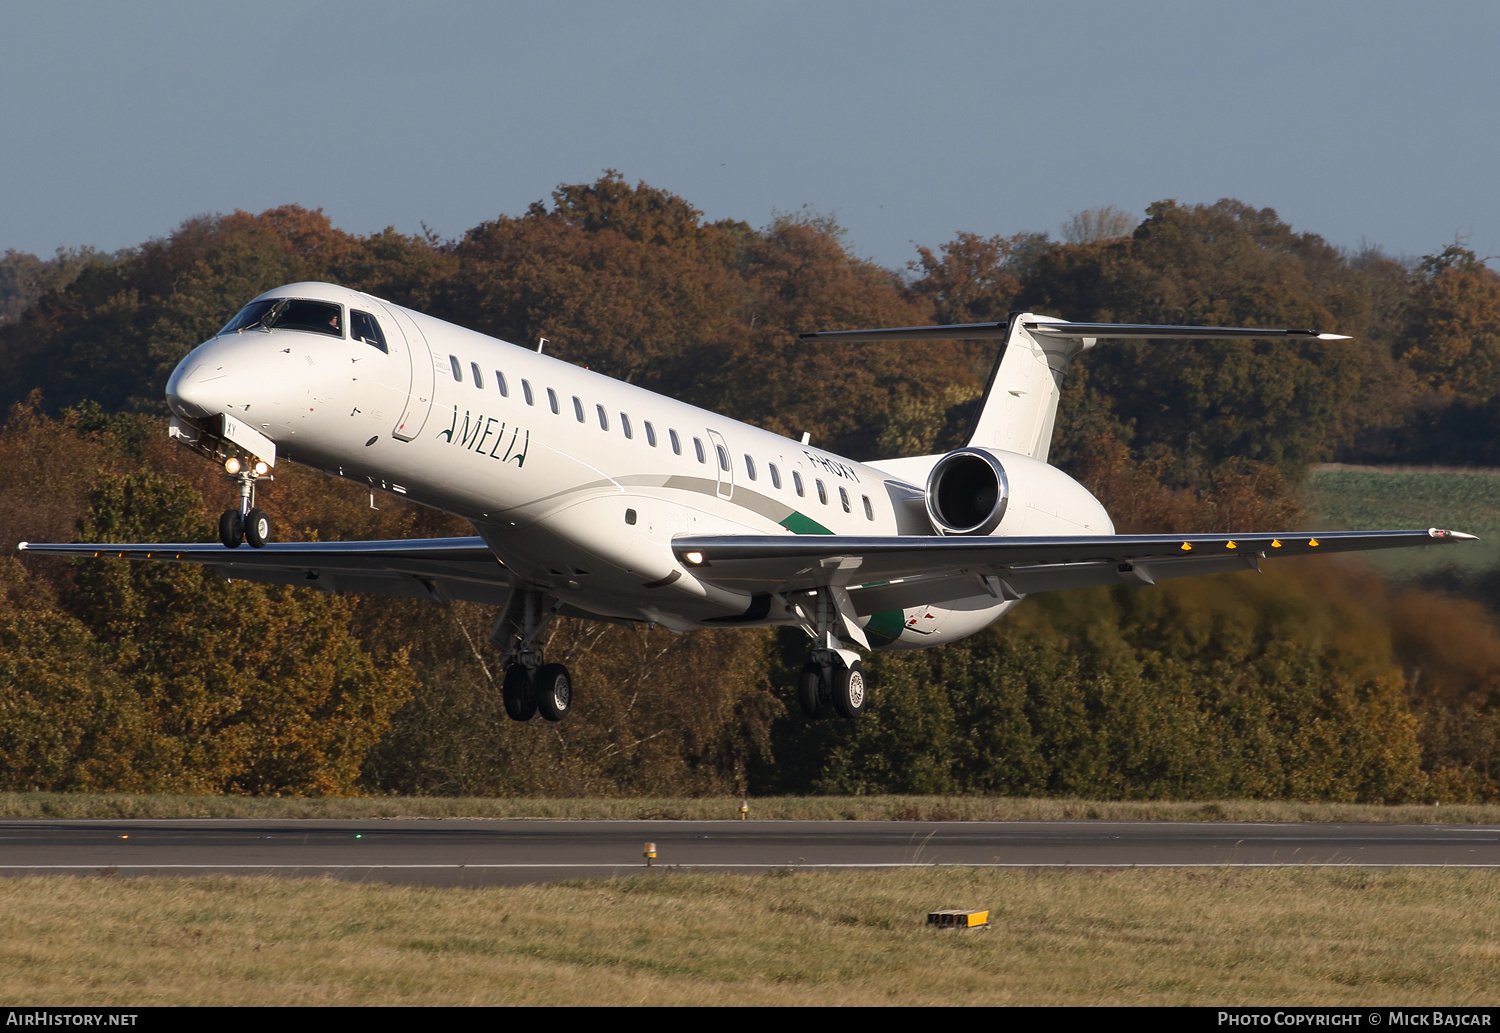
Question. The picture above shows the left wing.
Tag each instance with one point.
(909, 570)
(440, 569)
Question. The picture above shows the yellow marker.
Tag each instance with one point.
(1275, 544)
(1313, 542)
(650, 853)
(1186, 547)
(954, 918)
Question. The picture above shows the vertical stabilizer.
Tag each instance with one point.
(1019, 407)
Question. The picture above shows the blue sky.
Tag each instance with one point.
(1368, 122)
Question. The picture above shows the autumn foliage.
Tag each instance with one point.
(1317, 681)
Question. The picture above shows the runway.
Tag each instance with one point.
(488, 852)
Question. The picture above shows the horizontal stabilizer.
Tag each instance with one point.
(999, 331)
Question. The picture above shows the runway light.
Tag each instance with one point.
(1187, 547)
(744, 809)
(1313, 542)
(1275, 543)
(232, 465)
(124, 837)
(1230, 545)
(650, 853)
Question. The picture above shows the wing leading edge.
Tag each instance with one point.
(900, 568)
(440, 569)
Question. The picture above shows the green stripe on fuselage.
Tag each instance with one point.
(885, 627)
(799, 523)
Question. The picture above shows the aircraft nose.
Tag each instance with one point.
(195, 387)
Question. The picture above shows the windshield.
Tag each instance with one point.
(319, 317)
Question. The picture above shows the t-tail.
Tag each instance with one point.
(1019, 408)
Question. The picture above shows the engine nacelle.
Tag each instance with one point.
(982, 491)
(967, 492)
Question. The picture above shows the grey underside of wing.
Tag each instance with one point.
(888, 573)
(439, 569)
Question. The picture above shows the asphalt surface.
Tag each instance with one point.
(452, 852)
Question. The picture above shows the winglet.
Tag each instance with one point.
(1458, 536)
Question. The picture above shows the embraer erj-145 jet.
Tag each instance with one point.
(593, 498)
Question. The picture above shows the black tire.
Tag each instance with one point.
(554, 691)
(257, 528)
(850, 694)
(520, 700)
(807, 690)
(231, 529)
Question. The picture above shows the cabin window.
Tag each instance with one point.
(630, 516)
(458, 370)
(822, 491)
(603, 417)
(650, 434)
(526, 390)
(775, 475)
(578, 408)
(723, 457)
(844, 499)
(364, 327)
(698, 447)
(500, 383)
(797, 483)
(676, 442)
(478, 377)
(869, 509)
(749, 467)
(625, 425)
(551, 400)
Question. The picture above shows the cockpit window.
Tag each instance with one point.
(318, 317)
(364, 327)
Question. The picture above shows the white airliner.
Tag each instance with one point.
(594, 498)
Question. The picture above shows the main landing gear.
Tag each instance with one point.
(531, 685)
(245, 522)
(833, 680)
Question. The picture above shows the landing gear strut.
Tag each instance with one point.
(530, 684)
(245, 522)
(833, 680)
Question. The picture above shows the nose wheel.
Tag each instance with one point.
(245, 523)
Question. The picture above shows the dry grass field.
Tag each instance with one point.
(1199, 937)
(827, 808)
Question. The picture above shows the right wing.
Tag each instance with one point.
(439, 569)
(885, 572)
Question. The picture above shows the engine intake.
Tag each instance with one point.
(967, 492)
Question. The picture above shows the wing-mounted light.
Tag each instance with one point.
(967, 492)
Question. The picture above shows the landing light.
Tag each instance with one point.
(261, 467)
(232, 465)
(694, 558)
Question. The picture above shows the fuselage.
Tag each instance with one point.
(578, 482)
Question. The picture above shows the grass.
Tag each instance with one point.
(1370, 499)
(835, 808)
(1177, 937)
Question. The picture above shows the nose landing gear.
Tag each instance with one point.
(245, 522)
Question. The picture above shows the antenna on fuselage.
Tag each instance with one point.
(541, 342)
(806, 436)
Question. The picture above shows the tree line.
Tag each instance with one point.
(1312, 681)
